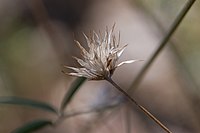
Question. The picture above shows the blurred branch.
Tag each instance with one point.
(99, 109)
(184, 69)
(191, 83)
(191, 87)
(41, 16)
(163, 43)
(101, 121)
(94, 110)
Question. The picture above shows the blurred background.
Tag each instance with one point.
(37, 38)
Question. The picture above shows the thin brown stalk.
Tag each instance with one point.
(144, 110)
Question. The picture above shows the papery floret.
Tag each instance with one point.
(99, 62)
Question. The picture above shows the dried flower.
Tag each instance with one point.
(100, 61)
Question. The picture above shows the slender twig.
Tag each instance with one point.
(139, 106)
(163, 43)
(184, 69)
(64, 116)
(191, 87)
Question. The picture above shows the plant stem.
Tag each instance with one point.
(144, 110)
(163, 43)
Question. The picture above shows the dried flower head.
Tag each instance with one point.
(100, 61)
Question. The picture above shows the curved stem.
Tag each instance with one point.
(144, 110)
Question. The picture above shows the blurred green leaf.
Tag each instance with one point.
(72, 90)
(32, 126)
(27, 102)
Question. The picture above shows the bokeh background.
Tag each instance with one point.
(37, 38)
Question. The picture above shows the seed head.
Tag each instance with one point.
(100, 61)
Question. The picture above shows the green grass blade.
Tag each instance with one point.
(32, 126)
(72, 90)
(27, 102)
